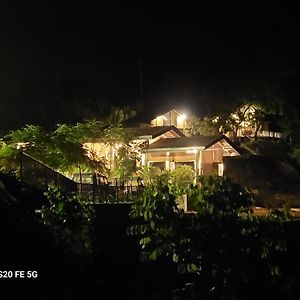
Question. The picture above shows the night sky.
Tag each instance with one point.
(58, 58)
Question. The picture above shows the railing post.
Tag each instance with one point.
(94, 186)
(80, 179)
(21, 165)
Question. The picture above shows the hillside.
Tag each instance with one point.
(114, 271)
(27, 245)
(273, 182)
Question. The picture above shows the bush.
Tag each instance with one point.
(70, 220)
(222, 243)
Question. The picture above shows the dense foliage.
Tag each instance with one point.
(203, 126)
(62, 149)
(221, 243)
(70, 220)
(254, 114)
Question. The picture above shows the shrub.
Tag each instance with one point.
(222, 242)
(69, 218)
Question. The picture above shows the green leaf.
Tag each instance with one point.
(60, 206)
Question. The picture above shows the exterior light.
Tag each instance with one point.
(181, 121)
(181, 117)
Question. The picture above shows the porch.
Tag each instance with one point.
(202, 161)
(203, 154)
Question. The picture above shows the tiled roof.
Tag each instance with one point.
(188, 142)
(183, 142)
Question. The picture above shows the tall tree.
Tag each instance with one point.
(203, 126)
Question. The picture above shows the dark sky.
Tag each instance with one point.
(56, 54)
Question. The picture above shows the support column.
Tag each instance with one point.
(167, 166)
(143, 159)
(221, 169)
(172, 165)
(196, 160)
(200, 158)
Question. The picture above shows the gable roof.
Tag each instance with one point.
(153, 132)
(182, 143)
(161, 113)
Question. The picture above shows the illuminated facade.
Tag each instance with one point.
(167, 147)
(142, 137)
(171, 118)
(203, 153)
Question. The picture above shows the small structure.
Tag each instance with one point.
(267, 130)
(171, 118)
(253, 122)
(203, 153)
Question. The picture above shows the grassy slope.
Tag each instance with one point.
(274, 182)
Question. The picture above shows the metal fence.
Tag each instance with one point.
(110, 193)
(36, 173)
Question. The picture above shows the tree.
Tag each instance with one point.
(61, 149)
(256, 118)
(234, 120)
(203, 126)
(125, 163)
(222, 243)
(296, 154)
(249, 118)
